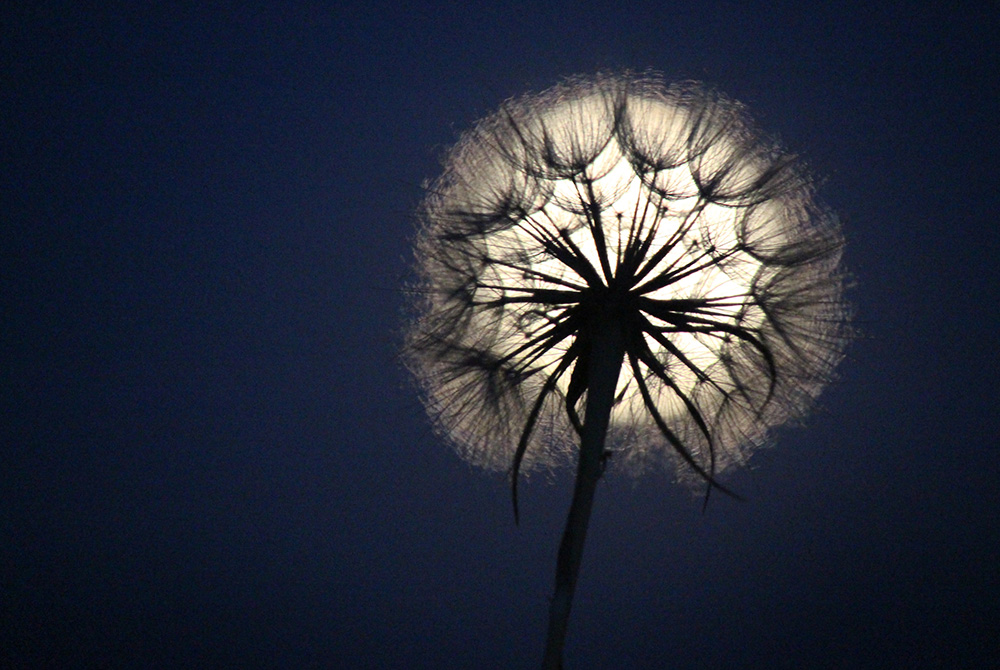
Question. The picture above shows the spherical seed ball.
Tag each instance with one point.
(662, 205)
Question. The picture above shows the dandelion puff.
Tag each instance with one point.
(620, 266)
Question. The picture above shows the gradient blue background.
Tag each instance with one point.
(211, 457)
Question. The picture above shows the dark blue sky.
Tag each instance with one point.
(210, 455)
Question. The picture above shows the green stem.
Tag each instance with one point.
(605, 361)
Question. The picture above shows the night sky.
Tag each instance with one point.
(211, 456)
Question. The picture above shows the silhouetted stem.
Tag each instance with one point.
(605, 361)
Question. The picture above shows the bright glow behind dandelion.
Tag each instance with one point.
(724, 268)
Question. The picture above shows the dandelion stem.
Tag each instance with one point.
(607, 349)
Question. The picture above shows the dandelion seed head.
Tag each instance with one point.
(666, 207)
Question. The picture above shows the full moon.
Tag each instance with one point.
(690, 246)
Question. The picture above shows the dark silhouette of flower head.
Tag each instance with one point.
(657, 213)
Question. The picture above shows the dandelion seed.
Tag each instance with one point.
(619, 266)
